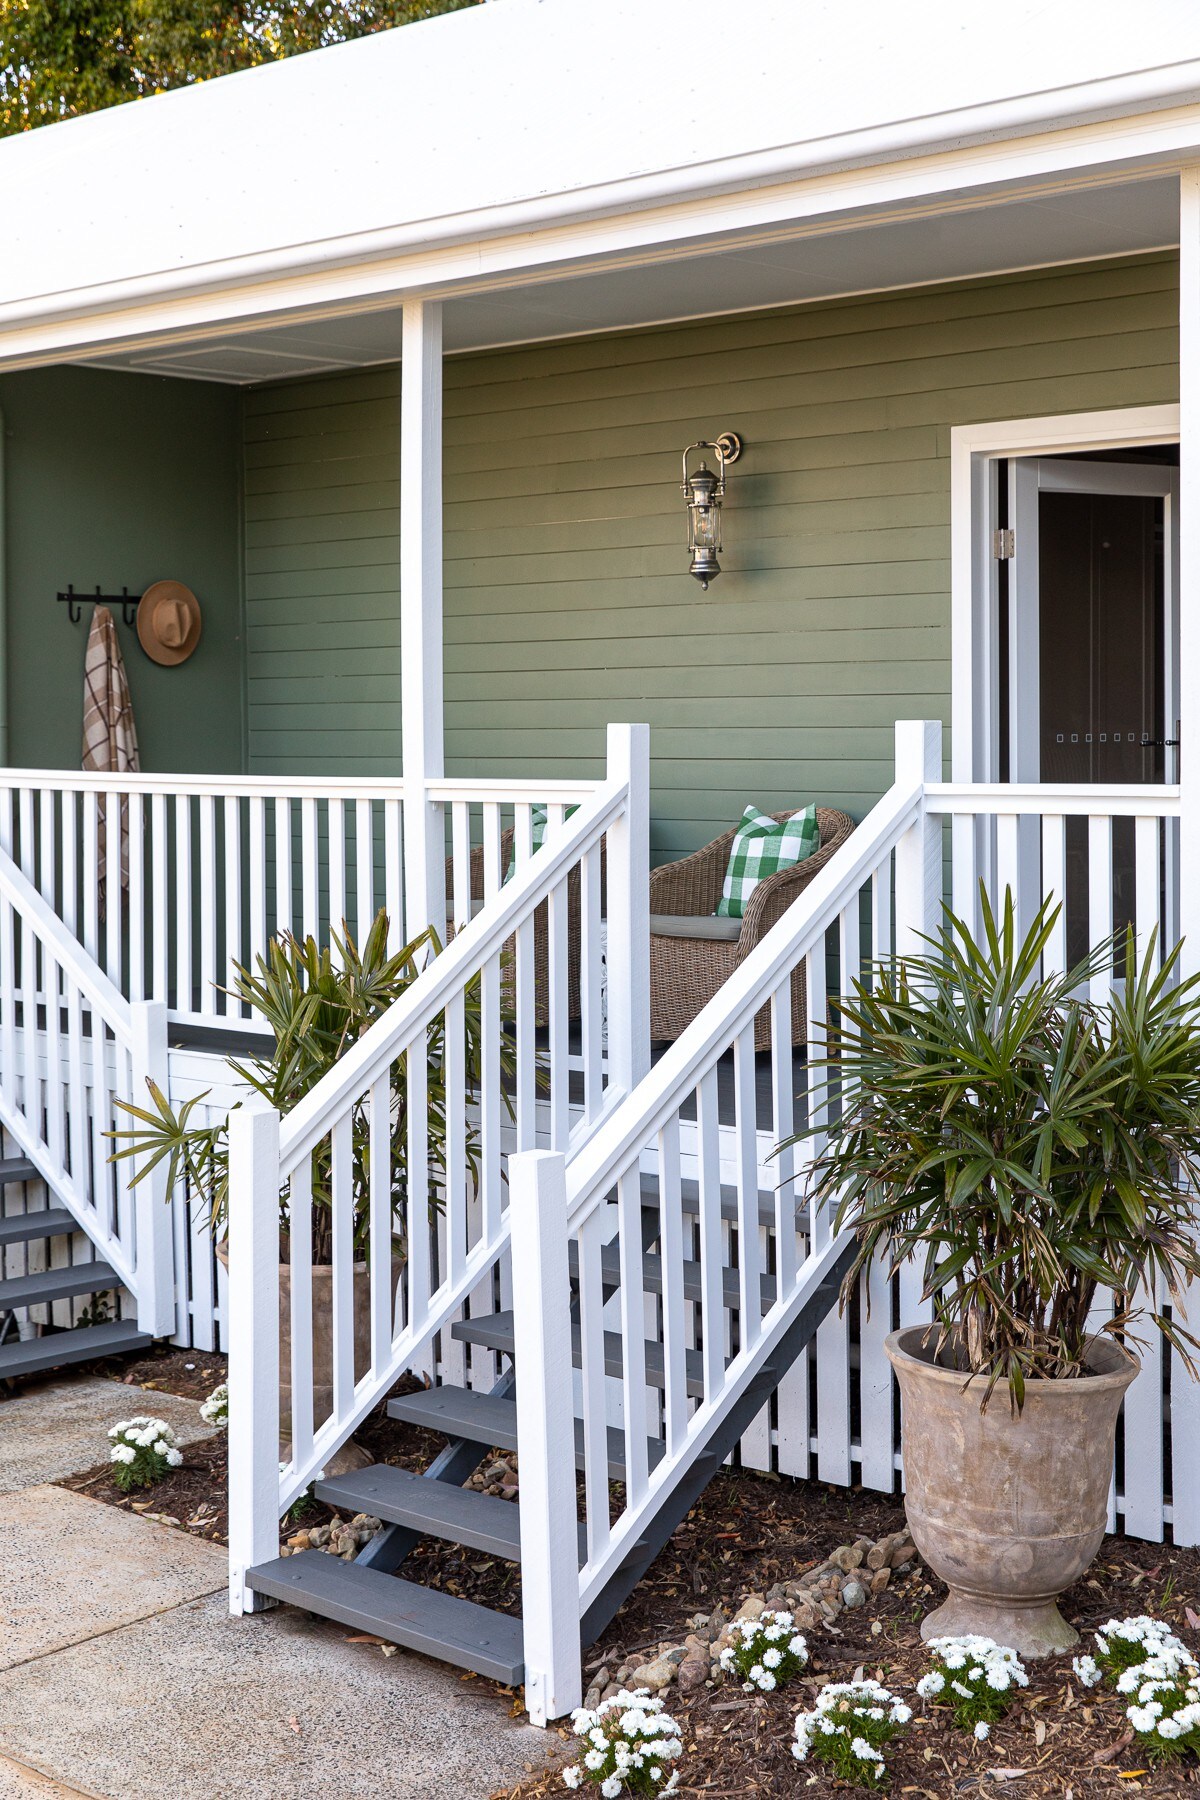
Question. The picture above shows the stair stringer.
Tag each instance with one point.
(60, 1182)
(777, 1352)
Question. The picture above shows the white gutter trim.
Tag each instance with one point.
(1156, 89)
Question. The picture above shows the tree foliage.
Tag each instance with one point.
(59, 58)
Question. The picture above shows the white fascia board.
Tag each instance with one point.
(503, 247)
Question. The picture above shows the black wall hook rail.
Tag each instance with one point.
(76, 602)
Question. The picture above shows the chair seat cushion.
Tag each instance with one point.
(720, 931)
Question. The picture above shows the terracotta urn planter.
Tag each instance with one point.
(1007, 1510)
(351, 1455)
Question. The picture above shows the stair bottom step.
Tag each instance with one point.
(62, 1347)
(419, 1618)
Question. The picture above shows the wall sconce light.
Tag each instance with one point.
(703, 492)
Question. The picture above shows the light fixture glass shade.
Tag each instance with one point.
(704, 525)
(703, 491)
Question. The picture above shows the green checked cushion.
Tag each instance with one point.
(762, 846)
(539, 817)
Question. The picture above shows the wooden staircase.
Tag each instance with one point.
(369, 1595)
(46, 1227)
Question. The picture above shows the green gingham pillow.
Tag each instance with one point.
(761, 847)
(539, 818)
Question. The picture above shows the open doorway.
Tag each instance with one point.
(1085, 672)
(1088, 688)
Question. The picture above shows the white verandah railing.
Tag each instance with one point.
(699, 1297)
(71, 1046)
(403, 1146)
(168, 880)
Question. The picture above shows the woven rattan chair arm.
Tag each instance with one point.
(772, 897)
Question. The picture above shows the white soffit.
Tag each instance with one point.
(514, 117)
(779, 270)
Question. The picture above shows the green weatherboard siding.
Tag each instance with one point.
(567, 598)
(121, 480)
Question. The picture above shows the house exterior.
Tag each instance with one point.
(391, 354)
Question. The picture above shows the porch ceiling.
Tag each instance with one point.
(956, 238)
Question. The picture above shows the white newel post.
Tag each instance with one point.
(629, 910)
(919, 852)
(252, 1337)
(421, 695)
(545, 1434)
(152, 1203)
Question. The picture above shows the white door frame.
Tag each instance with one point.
(975, 451)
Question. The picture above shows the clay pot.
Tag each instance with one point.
(1009, 1511)
(350, 1456)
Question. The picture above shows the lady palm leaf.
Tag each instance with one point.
(1026, 1146)
(318, 1000)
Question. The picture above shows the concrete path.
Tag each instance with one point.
(53, 1429)
(121, 1671)
(17, 1783)
(73, 1568)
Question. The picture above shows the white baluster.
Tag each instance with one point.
(302, 1423)
(155, 1236)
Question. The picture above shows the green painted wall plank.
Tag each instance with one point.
(119, 480)
(567, 598)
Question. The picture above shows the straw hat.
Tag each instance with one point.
(168, 622)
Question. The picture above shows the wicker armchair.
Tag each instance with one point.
(692, 953)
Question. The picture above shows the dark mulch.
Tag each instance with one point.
(1064, 1741)
(192, 1373)
(746, 1532)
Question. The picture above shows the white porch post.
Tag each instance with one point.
(421, 615)
(1189, 564)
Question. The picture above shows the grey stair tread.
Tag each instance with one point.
(435, 1508)
(80, 1345)
(689, 1199)
(459, 1412)
(17, 1168)
(693, 1276)
(22, 1228)
(492, 1423)
(494, 1331)
(56, 1284)
(456, 1631)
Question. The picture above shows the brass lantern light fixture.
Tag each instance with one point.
(703, 491)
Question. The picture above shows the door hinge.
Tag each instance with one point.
(1004, 543)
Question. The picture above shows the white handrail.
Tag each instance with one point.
(592, 1170)
(297, 787)
(482, 938)
(90, 1049)
(1062, 797)
(101, 994)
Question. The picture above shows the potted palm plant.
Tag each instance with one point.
(1036, 1154)
(318, 1001)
